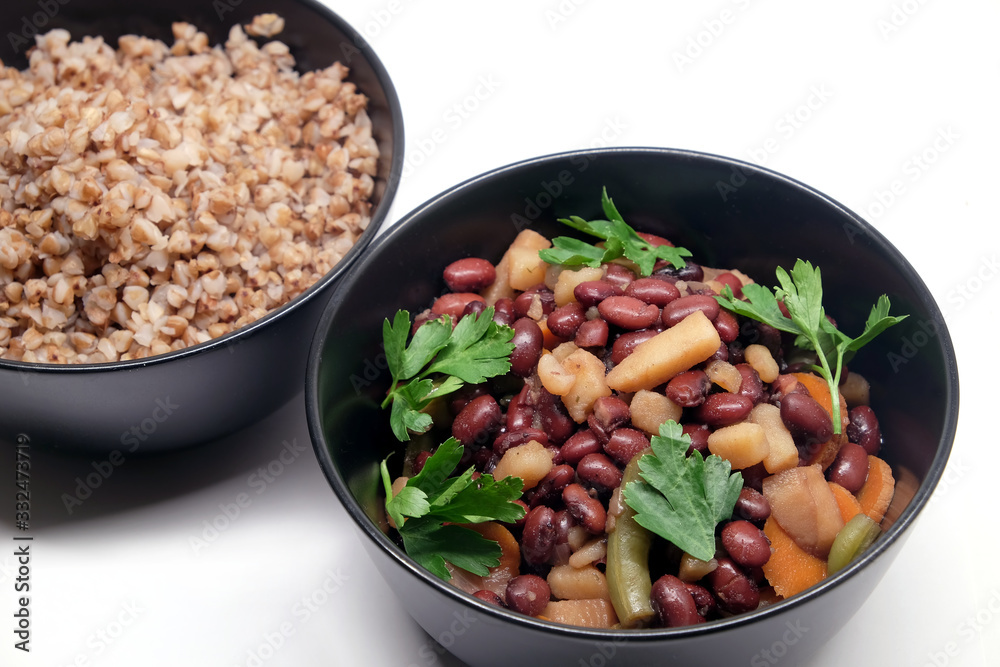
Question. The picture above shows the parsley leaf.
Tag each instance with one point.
(682, 498)
(438, 361)
(802, 293)
(620, 240)
(427, 509)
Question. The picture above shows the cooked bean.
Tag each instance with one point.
(806, 419)
(453, 303)
(689, 272)
(625, 343)
(565, 320)
(863, 429)
(592, 333)
(753, 477)
(510, 439)
(674, 603)
(611, 412)
(599, 472)
(745, 543)
(478, 421)
(471, 274)
(653, 291)
(528, 340)
(699, 437)
(736, 591)
(419, 460)
(490, 597)
(578, 445)
(503, 311)
(689, 388)
(677, 310)
(519, 412)
(850, 468)
(730, 279)
(523, 302)
(527, 594)
(592, 292)
(704, 601)
(727, 326)
(586, 509)
(654, 239)
(474, 308)
(539, 535)
(619, 275)
(625, 443)
(722, 354)
(551, 486)
(627, 312)
(553, 418)
(752, 505)
(751, 386)
(723, 408)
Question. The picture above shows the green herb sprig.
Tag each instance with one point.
(438, 361)
(683, 498)
(801, 291)
(620, 240)
(428, 508)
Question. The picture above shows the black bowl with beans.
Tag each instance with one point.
(210, 389)
(769, 221)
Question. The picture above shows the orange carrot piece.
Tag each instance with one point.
(510, 561)
(549, 340)
(876, 493)
(846, 502)
(790, 570)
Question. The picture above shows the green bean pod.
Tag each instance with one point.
(628, 576)
(853, 539)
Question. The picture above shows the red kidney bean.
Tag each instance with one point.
(592, 292)
(453, 303)
(689, 272)
(850, 468)
(625, 443)
(586, 509)
(752, 505)
(462, 397)
(727, 326)
(471, 274)
(736, 591)
(745, 543)
(524, 300)
(688, 389)
(551, 486)
(784, 385)
(598, 471)
(627, 312)
(735, 284)
(722, 409)
(520, 522)
(578, 445)
(625, 343)
(863, 429)
(699, 437)
(485, 460)
(806, 419)
(736, 353)
(509, 439)
(565, 320)
(703, 599)
(490, 597)
(750, 386)
(673, 603)
(592, 333)
(654, 240)
(653, 291)
(527, 594)
(753, 477)
(520, 412)
(503, 311)
(539, 535)
(553, 418)
(474, 308)
(611, 412)
(478, 421)
(722, 354)
(528, 340)
(619, 275)
(677, 310)
(419, 460)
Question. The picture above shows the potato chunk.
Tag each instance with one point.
(524, 267)
(590, 384)
(530, 461)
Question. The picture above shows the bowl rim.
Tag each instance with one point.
(428, 209)
(364, 241)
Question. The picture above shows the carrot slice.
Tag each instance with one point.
(790, 570)
(549, 339)
(591, 613)
(846, 502)
(876, 493)
(510, 561)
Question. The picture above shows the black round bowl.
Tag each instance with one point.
(729, 214)
(200, 393)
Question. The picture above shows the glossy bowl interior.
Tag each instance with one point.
(203, 392)
(730, 214)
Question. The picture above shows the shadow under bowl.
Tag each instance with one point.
(203, 392)
(729, 214)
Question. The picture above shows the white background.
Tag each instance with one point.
(843, 96)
